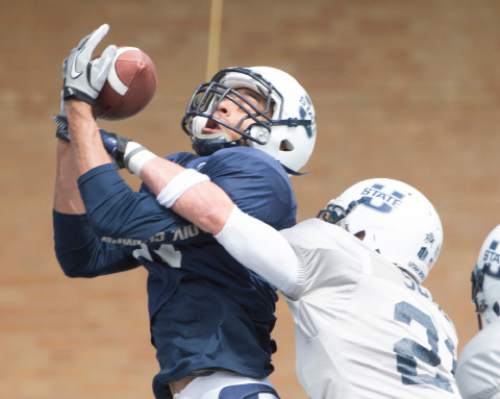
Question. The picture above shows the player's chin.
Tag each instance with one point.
(220, 132)
(207, 131)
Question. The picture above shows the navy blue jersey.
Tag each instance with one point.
(207, 311)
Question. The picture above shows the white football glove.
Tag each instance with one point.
(84, 77)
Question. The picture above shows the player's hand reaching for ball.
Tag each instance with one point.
(84, 77)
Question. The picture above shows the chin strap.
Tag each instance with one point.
(293, 172)
(209, 146)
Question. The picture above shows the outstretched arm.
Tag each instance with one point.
(79, 251)
(250, 241)
(89, 151)
(113, 210)
(207, 205)
(66, 194)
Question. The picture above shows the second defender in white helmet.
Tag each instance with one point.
(478, 370)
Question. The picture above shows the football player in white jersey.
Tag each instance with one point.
(365, 327)
(478, 370)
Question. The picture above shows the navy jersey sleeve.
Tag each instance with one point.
(83, 254)
(117, 212)
(256, 182)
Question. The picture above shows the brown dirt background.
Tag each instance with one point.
(403, 89)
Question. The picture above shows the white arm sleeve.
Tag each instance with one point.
(262, 249)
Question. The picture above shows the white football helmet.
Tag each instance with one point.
(486, 280)
(393, 219)
(286, 129)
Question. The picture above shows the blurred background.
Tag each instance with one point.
(402, 89)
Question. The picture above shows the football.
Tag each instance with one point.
(130, 86)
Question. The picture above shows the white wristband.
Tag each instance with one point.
(136, 156)
(179, 185)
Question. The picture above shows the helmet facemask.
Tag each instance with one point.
(334, 213)
(477, 279)
(205, 102)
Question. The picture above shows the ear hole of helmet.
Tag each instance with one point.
(286, 145)
(361, 235)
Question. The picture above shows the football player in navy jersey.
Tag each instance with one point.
(211, 318)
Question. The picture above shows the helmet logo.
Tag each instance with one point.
(375, 198)
(306, 112)
(490, 254)
(429, 238)
(492, 257)
(422, 254)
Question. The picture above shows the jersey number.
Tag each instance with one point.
(166, 252)
(408, 352)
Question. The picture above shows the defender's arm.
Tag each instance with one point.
(250, 241)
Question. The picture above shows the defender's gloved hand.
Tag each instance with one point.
(84, 77)
(114, 144)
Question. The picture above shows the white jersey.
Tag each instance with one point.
(478, 370)
(364, 329)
